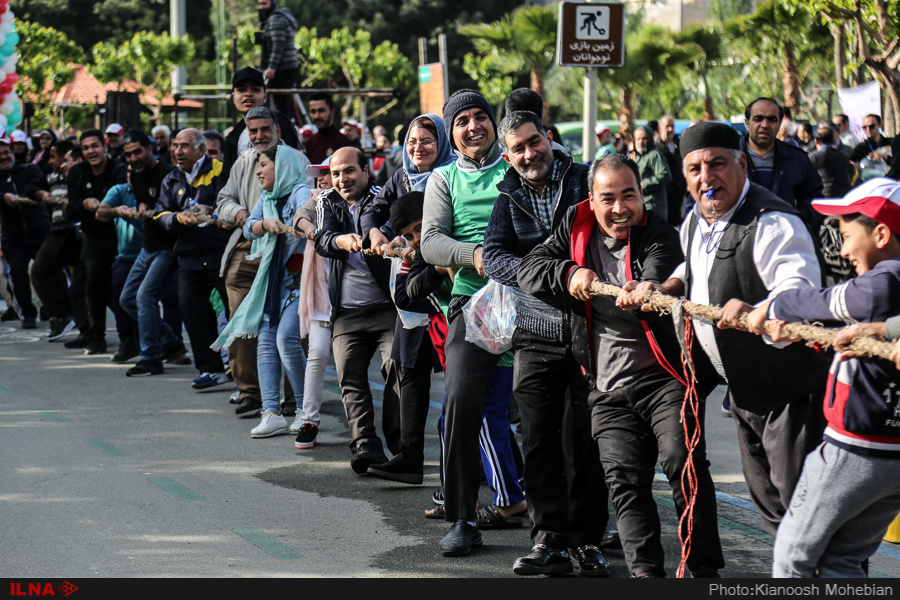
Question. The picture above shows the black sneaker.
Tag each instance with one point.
(176, 356)
(95, 346)
(126, 352)
(60, 326)
(289, 409)
(9, 315)
(29, 324)
(80, 342)
(306, 437)
(145, 368)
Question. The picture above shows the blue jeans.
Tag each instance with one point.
(147, 283)
(279, 347)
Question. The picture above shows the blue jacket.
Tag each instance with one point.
(197, 247)
(794, 179)
(862, 402)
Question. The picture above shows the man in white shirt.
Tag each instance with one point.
(744, 245)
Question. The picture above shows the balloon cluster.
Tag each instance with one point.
(10, 114)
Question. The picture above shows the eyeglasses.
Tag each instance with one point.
(872, 126)
(425, 144)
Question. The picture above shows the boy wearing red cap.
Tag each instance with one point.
(849, 490)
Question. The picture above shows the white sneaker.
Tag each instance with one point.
(296, 425)
(270, 424)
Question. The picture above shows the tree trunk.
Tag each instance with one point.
(626, 114)
(840, 52)
(537, 84)
(790, 80)
(708, 113)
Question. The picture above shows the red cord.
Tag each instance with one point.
(690, 409)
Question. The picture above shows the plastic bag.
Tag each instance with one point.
(491, 317)
(410, 320)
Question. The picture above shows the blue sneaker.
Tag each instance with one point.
(210, 380)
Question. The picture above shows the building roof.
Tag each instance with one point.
(85, 89)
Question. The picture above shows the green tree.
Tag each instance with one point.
(523, 41)
(147, 58)
(494, 82)
(652, 57)
(349, 59)
(708, 37)
(873, 27)
(45, 56)
(773, 29)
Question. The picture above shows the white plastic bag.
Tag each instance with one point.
(491, 317)
(410, 320)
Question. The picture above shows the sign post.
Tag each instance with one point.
(590, 35)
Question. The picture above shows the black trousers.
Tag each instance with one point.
(194, 289)
(98, 253)
(415, 396)
(633, 426)
(468, 377)
(564, 481)
(773, 448)
(19, 252)
(61, 251)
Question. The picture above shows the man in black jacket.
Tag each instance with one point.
(777, 166)
(23, 226)
(88, 183)
(550, 391)
(637, 397)
(362, 313)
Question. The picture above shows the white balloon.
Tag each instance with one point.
(7, 108)
(3, 121)
(10, 64)
(6, 28)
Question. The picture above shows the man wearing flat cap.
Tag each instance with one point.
(743, 246)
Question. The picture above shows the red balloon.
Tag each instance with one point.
(12, 78)
(5, 88)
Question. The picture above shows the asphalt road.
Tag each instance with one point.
(105, 476)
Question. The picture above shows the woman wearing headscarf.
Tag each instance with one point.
(269, 312)
(425, 148)
(41, 154)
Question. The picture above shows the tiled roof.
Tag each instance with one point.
(85, 89)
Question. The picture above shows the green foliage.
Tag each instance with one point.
(147, 58)
(493, 81)
(45, 55)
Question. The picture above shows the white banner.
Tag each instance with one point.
(859, 101)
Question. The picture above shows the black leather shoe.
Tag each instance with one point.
(610, 540)
(401, 468)
(249, 407)
(79, 342)
(543, 561)
(367, 454)
(590, 561)
(125, 352)
(460, 540)
(95, 346)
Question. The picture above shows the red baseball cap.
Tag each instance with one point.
(877, 198)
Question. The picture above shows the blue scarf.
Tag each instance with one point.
(289, 173)
(445, 155)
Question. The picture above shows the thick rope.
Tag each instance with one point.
(861, 346)
(395, 252)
